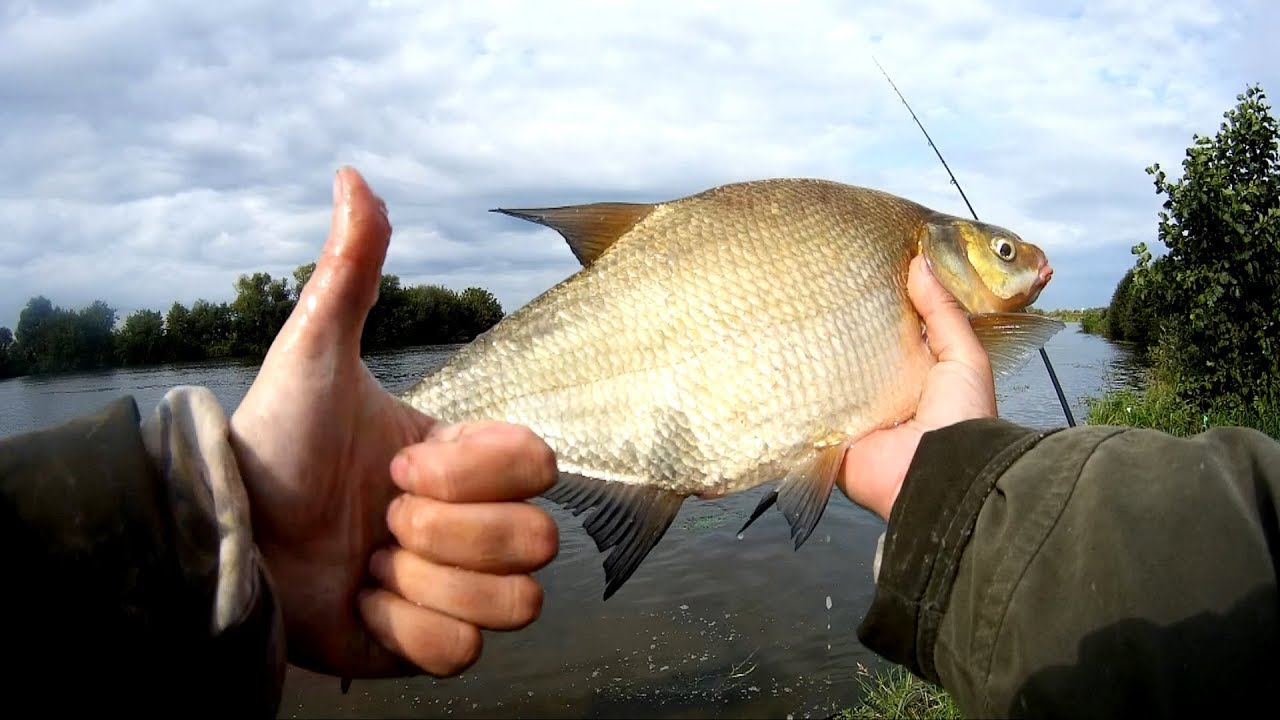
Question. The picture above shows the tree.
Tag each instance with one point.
(301, 275)
(212, 328)
(141, 340)
(480, 310)
(259, 311)
(95, 337)
(180, 335)
(32, 320)
(1219, 279)
(8, 367)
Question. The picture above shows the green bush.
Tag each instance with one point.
(1217, 290)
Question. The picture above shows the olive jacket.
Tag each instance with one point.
(1085, 572)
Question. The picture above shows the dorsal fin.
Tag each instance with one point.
(589, 229)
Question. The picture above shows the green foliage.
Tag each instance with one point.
(258, 312)
(52, 339)
(1134, 313)
(1215, 296)
(140, 341)
(897, 694)
(301, 275)
(1159, 407)
(7, 366)
(1094, 321)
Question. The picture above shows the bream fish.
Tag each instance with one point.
(741, 335)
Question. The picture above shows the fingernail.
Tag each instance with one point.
(339, 187)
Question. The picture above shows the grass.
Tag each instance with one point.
(1158, 408)
(896, 693)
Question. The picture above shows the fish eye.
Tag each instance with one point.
(1004, 248)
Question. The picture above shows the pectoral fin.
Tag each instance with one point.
(589, 229)
(1011, 338)
(804, 492)
(630, 516)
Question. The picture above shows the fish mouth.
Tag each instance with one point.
(1043, 275)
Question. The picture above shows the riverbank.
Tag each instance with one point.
(1158, 408)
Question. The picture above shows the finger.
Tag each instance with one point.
(497, 602)
(344, 285)
(439, 644)
(480, 462)
(502, 538)
(951, 337)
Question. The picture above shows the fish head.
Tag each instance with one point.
(986, 267)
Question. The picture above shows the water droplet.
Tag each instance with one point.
(828, 602)
(684, 607)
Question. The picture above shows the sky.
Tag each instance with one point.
(154, 151)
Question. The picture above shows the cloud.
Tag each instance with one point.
(154, 151)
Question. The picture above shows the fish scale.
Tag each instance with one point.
(723, 340)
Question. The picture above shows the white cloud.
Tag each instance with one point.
(153, 151)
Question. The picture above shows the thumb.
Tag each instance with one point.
(344, 286)
(951, 336)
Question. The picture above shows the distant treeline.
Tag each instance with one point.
(1091, 319)
(54, 339)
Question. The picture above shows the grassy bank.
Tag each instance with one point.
(896, 693)
(1159, 408)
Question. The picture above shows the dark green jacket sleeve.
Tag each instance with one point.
(130, 581)
(1087, 572)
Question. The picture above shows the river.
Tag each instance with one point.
(709, 626)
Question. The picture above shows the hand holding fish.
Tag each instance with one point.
(959, 387)
(316, 436)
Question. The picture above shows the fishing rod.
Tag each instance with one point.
(1062, 399)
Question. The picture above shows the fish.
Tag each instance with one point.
(712, 343)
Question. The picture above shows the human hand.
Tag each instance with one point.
(315, 438)
(960, 386)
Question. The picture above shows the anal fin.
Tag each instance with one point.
(629, 518)
(804, 492)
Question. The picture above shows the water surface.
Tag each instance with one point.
(709, 626)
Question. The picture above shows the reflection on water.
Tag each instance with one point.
(709, 626)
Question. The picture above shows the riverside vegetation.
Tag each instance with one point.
(55, 339)
(1205, 316)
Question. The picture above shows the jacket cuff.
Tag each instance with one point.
(951, 474)
(187, 437)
